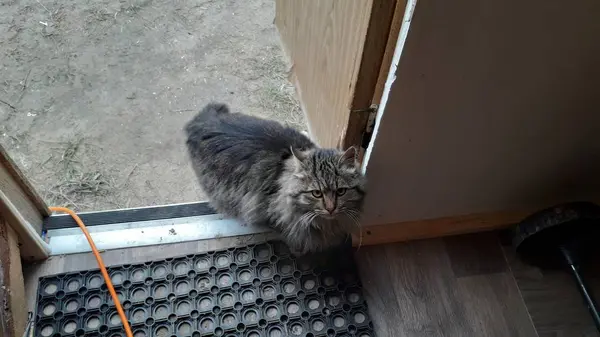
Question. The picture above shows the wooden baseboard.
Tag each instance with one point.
(431, 228)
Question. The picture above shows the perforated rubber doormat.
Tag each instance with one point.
(254, 291)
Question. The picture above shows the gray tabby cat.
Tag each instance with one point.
(264, 173)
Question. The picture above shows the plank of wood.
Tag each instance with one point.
(22, 209)
(33, 248)
(378, 33)
(431, 228)
(554, 303)
(440, 227)
(374, 269)
(20, 193)
(324, 41)
(475, 254)
(386, 61)
(13, 307)
(413, 289)
(25, 186)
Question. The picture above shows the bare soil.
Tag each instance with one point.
(94, 94)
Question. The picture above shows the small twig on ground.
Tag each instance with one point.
(24, 86)
(58, 198)
(10, 105)
(76, 184)
(128, 176)
(47, 160)
(46, 8)
(69, 152)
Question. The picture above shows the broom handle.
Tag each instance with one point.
(583, 288)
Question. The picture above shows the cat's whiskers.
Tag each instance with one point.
(301, 219)
(355, 219)
(305, 218)
(311, 221)
(353, 216)
(351, 213)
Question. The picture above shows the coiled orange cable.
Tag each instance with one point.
(109, 284)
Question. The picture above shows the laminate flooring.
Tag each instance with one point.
(468, 286)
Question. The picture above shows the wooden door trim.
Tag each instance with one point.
(13, 311)
(36, 200)
(381, 21)
(335, 66)
(23, 209)
(390, 48)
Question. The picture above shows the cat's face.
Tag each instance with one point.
(328, 183)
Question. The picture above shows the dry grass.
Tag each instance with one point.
(282, 102)
(77, 184)
(278, 95)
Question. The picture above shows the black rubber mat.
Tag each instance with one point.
(254, 291)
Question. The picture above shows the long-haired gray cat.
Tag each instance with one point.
(264, 173)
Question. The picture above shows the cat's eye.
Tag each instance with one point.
(341, 191)
(317, 194)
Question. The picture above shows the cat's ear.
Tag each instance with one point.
(350, 156)
(300, 156)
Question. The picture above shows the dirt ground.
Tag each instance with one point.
(94, 94)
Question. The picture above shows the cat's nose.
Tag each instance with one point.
(329, 204)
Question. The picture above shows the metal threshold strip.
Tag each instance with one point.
(147, 233)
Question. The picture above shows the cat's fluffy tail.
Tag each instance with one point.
(211, 110)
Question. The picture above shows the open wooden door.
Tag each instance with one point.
(336, 49)
(485, 122)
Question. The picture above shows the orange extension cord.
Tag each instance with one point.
(109, 284)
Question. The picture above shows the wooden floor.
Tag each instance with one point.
(464, 286)
(468, 286)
